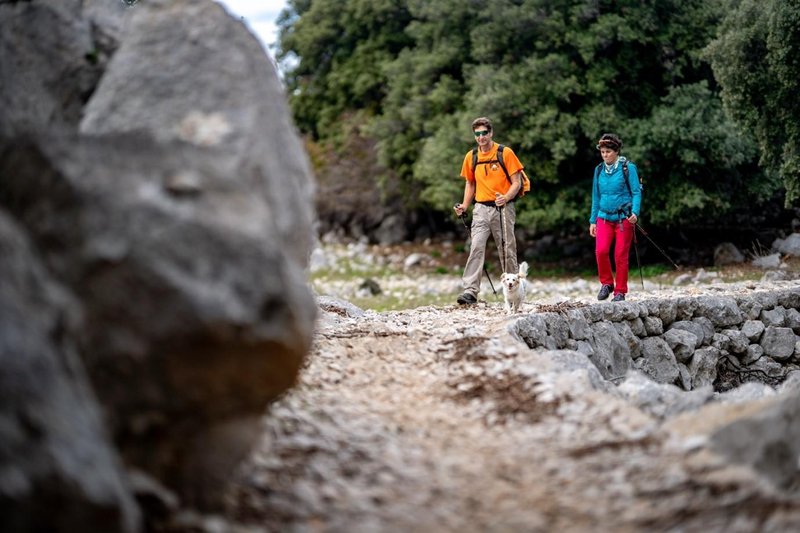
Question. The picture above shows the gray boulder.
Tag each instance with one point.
(788, 246)
(634, 343)
(774, 317)
(767, 262)
(769, 366)
(579, 328)
(208, 82)
(182, 219)
(793, 320)
(746, 392)
(722, 311)
(682, 343)
(708, 329)
(657, 361)
(753, 354)
(653, 325)
(694, 328)
(753, 329)
(767, 440)
(532, 329)
(737, 341)
(52, 55)
(727, 253)
(661, 399)
(703, 367)
(778, 343)
(51, 429)
(557, 330)
(612, 355)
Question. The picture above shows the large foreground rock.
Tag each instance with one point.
(58, 469)
(178, 213)
(52, 54)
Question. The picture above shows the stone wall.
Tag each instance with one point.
(685, 341)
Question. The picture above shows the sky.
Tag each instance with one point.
(260, 16)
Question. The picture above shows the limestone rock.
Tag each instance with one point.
(727, 253)
(682, 342)
(788, 246)
(53, 439)
(180, 215)
(768, 440)
(778, 343)
(657, 361)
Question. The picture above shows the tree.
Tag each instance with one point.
(756, 59)
(337, 50)
(552, 74)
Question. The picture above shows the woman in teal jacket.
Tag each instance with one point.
(615, 209)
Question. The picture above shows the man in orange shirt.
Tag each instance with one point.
(494, 193)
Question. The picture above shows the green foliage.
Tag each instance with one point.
(340, 48)
(699, 157)
(756, 59)
(553, 75)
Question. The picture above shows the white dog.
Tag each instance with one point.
(514, 288)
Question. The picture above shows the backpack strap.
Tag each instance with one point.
(625, 175)
(502, 163)
(499, 160)
(596, 180)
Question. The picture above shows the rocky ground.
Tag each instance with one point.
(438, 419)
(407, 276)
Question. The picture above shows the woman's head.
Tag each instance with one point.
(610, 141)
(609, 146)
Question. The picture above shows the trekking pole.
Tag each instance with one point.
(463, 217)
(657, 247)
(625, 214)
(504, 260)
(636, 249)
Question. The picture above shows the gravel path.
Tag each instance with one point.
(436, 419)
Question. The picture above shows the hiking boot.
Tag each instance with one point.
(618, 298)
(467, 299)
(605, 291)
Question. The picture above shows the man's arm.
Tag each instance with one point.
(469, 195)
(516, 184)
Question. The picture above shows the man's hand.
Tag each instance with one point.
(459, 209)
(499, 200)
(593, 230)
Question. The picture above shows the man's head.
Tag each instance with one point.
(482, 129)
(610, 141)
(482, 123)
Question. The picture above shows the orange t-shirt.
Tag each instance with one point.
(490, 177)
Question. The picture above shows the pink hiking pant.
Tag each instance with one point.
(622, 235)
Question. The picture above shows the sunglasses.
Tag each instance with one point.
(481, 132)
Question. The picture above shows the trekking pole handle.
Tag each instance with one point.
(462, 216)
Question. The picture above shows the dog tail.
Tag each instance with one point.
(523, 269)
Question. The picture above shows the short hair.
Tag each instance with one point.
(482, 121)
(610, 140)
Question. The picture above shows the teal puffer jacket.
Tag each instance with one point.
(610, 194)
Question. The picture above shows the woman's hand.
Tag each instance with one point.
(633, 218)
(593, 230)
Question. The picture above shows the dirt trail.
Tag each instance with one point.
(436, 419)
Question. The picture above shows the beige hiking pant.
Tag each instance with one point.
(499, 223)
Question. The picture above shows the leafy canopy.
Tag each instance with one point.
(553, 75)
